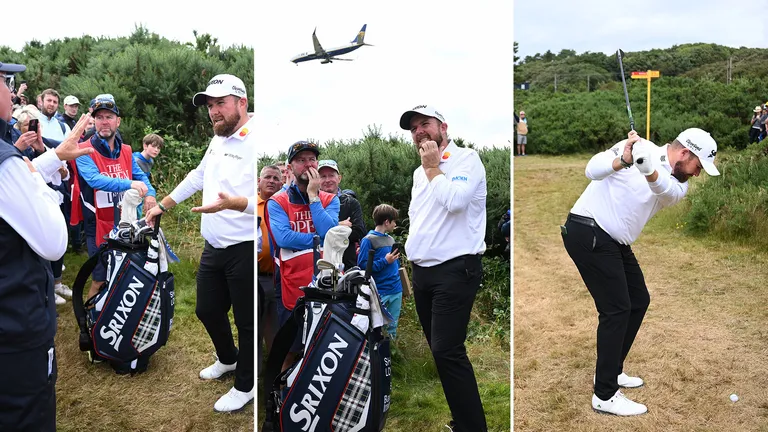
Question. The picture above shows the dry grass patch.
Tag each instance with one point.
(703, 337)
(169, 396)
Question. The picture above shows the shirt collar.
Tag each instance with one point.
(244, 131)
(663, 157)
(5, 130)
(103, 146)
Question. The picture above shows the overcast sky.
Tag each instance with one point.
(456, 56)
(173, 19)
(607, 25)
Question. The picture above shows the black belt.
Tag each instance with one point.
(583, 220)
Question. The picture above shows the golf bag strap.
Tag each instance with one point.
(281, 345)
(77, 288)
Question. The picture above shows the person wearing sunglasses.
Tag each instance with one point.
(33, 233)
(102, 177)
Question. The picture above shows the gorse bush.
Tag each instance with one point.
(734, 205)
(152, 79)
(691, 92)
(380, 170)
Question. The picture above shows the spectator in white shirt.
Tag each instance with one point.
(53, 129)
(225, 277)
(445, 242)
(631, 181)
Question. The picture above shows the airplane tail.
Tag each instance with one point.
(360, 36)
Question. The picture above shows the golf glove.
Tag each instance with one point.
(646, 166)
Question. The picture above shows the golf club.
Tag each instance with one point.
(626, 95)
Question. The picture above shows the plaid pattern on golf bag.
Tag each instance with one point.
(356, 395)
(149, 327)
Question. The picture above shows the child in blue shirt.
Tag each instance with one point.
(386, 263)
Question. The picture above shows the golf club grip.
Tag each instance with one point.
(369, 264)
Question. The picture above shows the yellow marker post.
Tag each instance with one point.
(647, 75)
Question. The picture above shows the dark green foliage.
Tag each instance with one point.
(692, 92)
(733, 205)
(380, 170)
(152, 78)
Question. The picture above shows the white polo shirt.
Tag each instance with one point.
(447, 215)
(228, 166)
(622, 202)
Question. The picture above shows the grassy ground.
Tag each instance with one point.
(169, 396)
(418, 402)
(703, 337)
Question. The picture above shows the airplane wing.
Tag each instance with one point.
(318, 48)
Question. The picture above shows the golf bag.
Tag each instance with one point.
(342, 382)
(131, 316)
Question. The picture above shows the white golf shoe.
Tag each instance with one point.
(62, 290)
(618, 405)
(626, 381)
(234, 400)
(217, 370)
(59, 299)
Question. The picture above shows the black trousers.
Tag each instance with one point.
(224, 280)
(444, 295)
(28, 391)
(614, 279)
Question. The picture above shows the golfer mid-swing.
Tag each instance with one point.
(631, 181)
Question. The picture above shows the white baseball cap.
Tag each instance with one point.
(71, 100)
(701, 143)
(426, 110)
(219, 86)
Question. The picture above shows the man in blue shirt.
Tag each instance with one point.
(102, 176)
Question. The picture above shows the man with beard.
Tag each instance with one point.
(350, 212)
(52, 128)
(445, 242)
(631, 181)
(294, 216)
(225, 276)
(270, 181)
(102, 177)
(32, 233)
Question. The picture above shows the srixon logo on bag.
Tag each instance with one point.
(316, 390)
(112, 331)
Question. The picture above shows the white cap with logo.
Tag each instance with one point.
(71, 100)
(701, 143)
(426, 110)
(219, 86)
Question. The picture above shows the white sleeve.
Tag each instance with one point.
(601, 164)
(668, 189)
(192, 183)
(31, 208)
(47, 164)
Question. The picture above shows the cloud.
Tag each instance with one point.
(422, 54)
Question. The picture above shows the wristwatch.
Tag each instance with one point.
(314, 199)
(624, 164)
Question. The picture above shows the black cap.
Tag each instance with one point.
(300, 146)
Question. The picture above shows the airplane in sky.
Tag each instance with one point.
(327, 56)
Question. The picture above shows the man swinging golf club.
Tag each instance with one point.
(631, 181)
